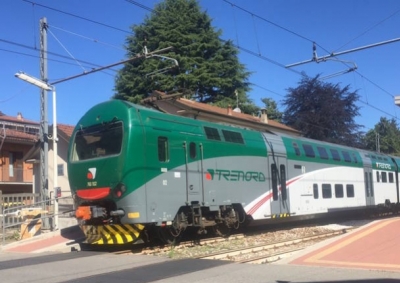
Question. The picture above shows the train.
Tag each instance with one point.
(137, 174)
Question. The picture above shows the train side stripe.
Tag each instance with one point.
(268, 196)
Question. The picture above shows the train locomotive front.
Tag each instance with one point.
(107, 207)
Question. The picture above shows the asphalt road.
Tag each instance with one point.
(90, 267)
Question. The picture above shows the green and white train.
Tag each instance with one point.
(134, 171)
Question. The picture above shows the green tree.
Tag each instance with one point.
(323, 111)
(272, 109)
(209, 70)
(386, 134)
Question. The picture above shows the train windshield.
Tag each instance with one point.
(97, 141)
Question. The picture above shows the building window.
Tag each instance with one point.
(60, 170)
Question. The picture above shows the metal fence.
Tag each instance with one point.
(17, 210)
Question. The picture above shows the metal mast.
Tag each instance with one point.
(44, 146)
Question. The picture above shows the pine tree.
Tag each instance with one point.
(209, 68)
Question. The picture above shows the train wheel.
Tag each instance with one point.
(169, 235)
(222, 230)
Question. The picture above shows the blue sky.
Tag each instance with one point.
(277, 33)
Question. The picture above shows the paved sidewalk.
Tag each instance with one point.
(63, 240)
(375, 246)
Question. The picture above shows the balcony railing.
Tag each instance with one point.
(18, 175)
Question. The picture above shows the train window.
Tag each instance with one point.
(391, 179)
(379, 158)
(274, 179)
(355, 160)
(297, 166)
(283, 181)
(335, 154)
(296, 149)
(378, 179)
(326, 191)
(230, 136)
(98, 141)
(192, 150)
(346, 156)
(212, 133)
(322, 152)
(315, 190)
(384, 177)
(373, 156)
(308, 150)
(339, 191)
(163, 151)
(350, 191)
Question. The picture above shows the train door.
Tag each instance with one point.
(193, 153)
(280, 205)
(277, 171)
(369, 186)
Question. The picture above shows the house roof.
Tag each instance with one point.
(19, 120)
(13, 135)
(67, 130)
(185, 107)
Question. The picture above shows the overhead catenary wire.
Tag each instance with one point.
(48, 52)
(87, 38)
(66, 50)
(367, 30)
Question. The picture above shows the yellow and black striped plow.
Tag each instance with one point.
(112, 234)
(281, 215)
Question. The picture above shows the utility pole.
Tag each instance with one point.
(44, 146)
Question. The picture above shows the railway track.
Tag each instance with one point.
(265, 245)
(266, 253)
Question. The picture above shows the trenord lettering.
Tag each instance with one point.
(383, 165)
(236, 175)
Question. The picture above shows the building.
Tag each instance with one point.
(64, 133)
(208, 112)
(17, 136)
(19, 156)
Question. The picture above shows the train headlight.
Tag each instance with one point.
(119, 190)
